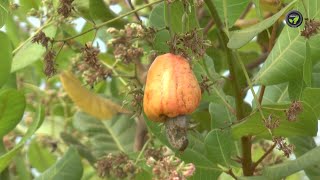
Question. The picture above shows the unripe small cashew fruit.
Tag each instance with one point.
(171, 88)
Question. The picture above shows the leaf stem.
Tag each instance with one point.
(110, 21)
(264, 156)
(142, 150)
(245, 140)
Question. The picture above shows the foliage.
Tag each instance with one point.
(73, 74)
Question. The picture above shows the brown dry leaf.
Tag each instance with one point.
(87, 101)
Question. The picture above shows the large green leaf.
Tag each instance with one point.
(195, 152)
(12, 105)
(219, 147)
(3, 12)
(6, 158)
(5, 58)
(305, 125)
(230, 11)
(156, 18)
(31, 52)
(303, 145)
(239, 38)
(68, 167)
(286, 59)
(39, 156)
(112, 136)
(180, 20)
(287, 168)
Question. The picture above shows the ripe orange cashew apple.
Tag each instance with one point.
(171, 92)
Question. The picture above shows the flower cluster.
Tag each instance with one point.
(171, 168)
(190, 44)
(65, 8)
(123, 41)
(294, 109)
(287, 149)
(91, 67)
(272, 122)
(116, 166)
(311, 28)
(49, 64)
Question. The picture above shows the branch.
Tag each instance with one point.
(264, 156)
(110, 21)
(132, 8)
(246, 140)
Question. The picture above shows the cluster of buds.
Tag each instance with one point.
(123, 41)
(311, 28)
(294, 109)
(272, 122)
(190, 44)
(49, 63)
(41, 38)
(287, 149)
(166, 166)
(205, 84)
(65, 8)
(91, 67)
(171, 168)
(116, 166)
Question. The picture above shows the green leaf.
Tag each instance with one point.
(4, 6)
(219, 147)
(31, 52)
(305, 125)
(276, 94)
(68, 167)
(239, 38)
(287, 168)
(22, 168)
(39, 156)
(307, 66)
(100, 11)
(296, 88)
(230, 11)
(160, 41)
(12, 105)
(304, 144)
(194, 153)
(220, 114)
(5, 58)
(176, 17)
(6, 158)
(156, 18)
(109, 136)
(286, 60)
(83, 150)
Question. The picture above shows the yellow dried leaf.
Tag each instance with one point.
(87, 101)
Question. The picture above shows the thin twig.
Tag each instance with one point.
(230, 172)
(110, 21)
(132, 8)
(271, 44)
(264, 156)
(257, 62)
(245, 12)
(208, 27)
(245, 140)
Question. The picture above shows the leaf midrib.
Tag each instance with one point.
(279, 57)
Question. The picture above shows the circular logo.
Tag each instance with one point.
(294, 18)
